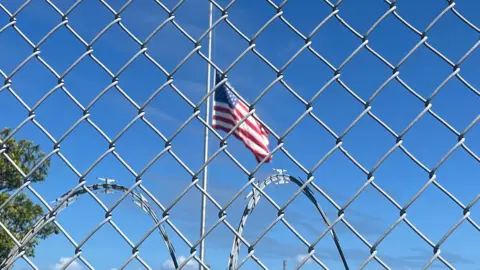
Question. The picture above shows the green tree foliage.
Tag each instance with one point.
(21, 213)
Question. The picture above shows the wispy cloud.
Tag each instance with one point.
(157, 113)
(270, 247)
(63, 261)
(301, 257)
(168, 264)
(366, 224)
(451, 257)
(396, 262)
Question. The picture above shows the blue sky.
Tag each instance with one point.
(371, 214)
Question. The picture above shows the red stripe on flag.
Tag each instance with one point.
(242, 131)
(252, 122)
(258, 156)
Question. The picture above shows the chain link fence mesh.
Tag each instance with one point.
(165, 15)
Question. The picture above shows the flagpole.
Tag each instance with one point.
(205, 153)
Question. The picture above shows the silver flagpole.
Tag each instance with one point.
(205, 153)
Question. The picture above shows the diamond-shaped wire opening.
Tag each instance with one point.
(424, 63)
(449, 25)
(334, 117)
(458, 182)
(378, 141)
(170, 54)
(168, 111)
(194, 26)
(34, 82)
(10, 105)
(334, 42)
(278, 43)
(404, 184)
(229, 45)
(148, 142)
(339, 178)
(86, 26)
(58, 101)
(403, 248)
(398, 35)
(83, 146)
(395, 106)
(440, 208)
(271, 249)
(13, 5)
(370, 82)
(308, 83)
(372, 12)
(316, 138)
(365, 220)
(304, 19)
(33, 25)
(249, 85)
(115, 41)
(268, 108)
(358, 250)
(63, 6)
(429, 13)
(142, 18)
(188, 145)
(451, 253)
(190, 79)
(88, 92)
(61, 42)
(116, 113)
(466, 15)
(455, 94)
(429, 152)
(238, 10)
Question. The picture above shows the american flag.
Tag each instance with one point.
(228, 110)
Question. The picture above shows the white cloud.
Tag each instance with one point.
(300, 258)
(168, 264)
(63, 261)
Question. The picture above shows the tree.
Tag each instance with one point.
(20, 214)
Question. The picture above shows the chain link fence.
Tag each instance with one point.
(292, 154)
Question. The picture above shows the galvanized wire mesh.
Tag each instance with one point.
(278, 14)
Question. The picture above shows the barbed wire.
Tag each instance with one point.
(69, 198)
(257, 189)
(279, 178)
